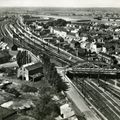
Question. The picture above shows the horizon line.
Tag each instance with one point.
(56, 7)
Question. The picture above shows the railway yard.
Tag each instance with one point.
(86, 59)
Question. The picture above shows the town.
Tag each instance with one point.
(55, 68)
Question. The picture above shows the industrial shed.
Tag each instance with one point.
(31, 71)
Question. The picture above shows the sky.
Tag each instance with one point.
(60, 3)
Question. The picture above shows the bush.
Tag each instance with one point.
(46, 108)
(2, 70)
(46, 90)
(9, 71)
(26, 88)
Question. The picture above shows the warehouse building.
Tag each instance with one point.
(30, 71)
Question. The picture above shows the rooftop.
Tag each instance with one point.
(60, 29)
(36, 75)
(17, 104)
(72, 34)
(28, 64)
(106, 55)
(34, 66)
(67, 111)
(4, 113)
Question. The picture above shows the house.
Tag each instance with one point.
(93, 47)
(39, 27)
(10, 114)
(113, 46)
(30, 71)
(117, 57)
(70, 25)
(88, 46)
(18, 104)
(104, 50)
(72, 36)
(115, 37)
(97, 47)
(72, 44)
(105, 57)
(66, 113)
(3, 45)
(60, 31)
(83, 44)
(84, 38)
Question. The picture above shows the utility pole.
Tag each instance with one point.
(98, 78)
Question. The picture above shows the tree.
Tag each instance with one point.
(10, 72)
(51, 75)
(27, 88)
(61, 22)
(19, 59)
(49, 117)
(3, 39)
(23, 58)
(13, 91)
(46, 90)
(14, 47)
(46, 108)
(58, 22)
(60, 85)
(46, 66)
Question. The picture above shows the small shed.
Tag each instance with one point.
(67, 112)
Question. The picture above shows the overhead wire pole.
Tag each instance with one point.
(59, 47)
(98, 78)
(13, 40)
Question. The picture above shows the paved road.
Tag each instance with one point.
(77, 99)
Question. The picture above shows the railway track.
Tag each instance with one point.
(102, 101)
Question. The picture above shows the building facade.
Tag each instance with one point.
(30, 71)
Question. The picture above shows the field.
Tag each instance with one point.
(66, 12)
